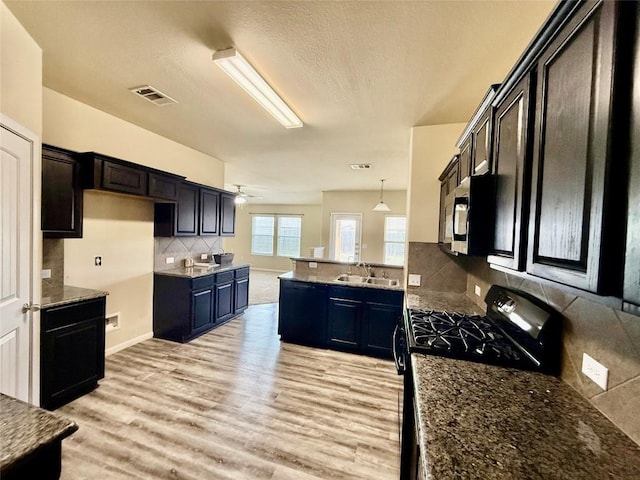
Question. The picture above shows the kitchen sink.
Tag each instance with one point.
(351, 278)
(389, 282)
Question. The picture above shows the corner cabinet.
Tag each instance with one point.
(512, 168)
(198, 211)
(72, 341)
(61, 194)
(576, 221)
(185, 308)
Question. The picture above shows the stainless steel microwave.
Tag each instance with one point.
(471, 220)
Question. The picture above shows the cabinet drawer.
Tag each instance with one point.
(63, 315)
(202, 282)
(121, 178)
(224, 277)
(242, 272)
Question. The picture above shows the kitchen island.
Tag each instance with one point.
(31, 440)
(479, 421)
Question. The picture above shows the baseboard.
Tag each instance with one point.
(128, 343)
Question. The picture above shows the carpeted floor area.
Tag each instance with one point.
(264, 286)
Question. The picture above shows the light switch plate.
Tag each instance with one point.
(478, 290)
(595, 371)
(313, 264)
(414, 280)
(203, 256)
(169, 260)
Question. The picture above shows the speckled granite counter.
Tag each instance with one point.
(443, 301)
(55, 296)
(331, 280)
(479, 421)
(195, 272)
(28, 433)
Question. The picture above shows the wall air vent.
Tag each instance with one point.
(360, 166)
(152, 94)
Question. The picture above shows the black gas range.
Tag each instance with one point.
(517, 331)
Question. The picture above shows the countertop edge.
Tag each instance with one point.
(330, 280)
(195, 272)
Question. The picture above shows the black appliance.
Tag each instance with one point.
(471, 221)
(517, 331)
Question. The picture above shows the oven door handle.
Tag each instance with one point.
(398, 359)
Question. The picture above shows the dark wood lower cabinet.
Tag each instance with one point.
(352, 319)
(185, 308)
(72, 339)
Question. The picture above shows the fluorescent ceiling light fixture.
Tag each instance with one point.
(244, 75)
(381, 206)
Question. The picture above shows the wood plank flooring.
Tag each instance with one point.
(237, 404)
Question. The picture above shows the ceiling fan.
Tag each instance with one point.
(241, 197)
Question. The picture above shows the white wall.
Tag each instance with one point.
(119, 228)
(20, 73)
(431, 149)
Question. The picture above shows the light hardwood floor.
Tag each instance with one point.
(237, 404)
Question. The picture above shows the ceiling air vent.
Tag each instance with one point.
(153, 95)
(360, 166)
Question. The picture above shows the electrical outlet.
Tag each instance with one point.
(97, 260)
(169, 260)
(414, 280)
(204, 256)
(313, 264)
(46, 273)
(478, 290)
(595, 371)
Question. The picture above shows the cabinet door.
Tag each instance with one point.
(163, 186)
(209, 212)
(61, 194)
(465, 160)
(121, 178)
(186, 216)
(572, 161)
(442, 216)
(482, 136)
(242, 294)
(379, 321)
(303, 313)
(227, 215)
(512, 168)
(202, 310)
(224, 301)
(344, 321)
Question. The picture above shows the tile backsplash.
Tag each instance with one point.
(183, 247)
(609, 335)
(53, 259)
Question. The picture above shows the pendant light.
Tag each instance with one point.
(381, 206)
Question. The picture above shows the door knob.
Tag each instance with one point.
(30, 307)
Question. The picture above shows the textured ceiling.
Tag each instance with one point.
(359, 74)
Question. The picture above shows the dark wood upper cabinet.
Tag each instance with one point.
(576, 225)
(163, 186)
(209, 212)
(61, 194)
(200, 210)
(448, 183)
(464, 162)
(512, 167)
(227, 214)
(122, 178)
(186, 216)
(482, 143)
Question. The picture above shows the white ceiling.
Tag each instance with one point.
(360, 74)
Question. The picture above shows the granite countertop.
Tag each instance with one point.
(195, 272)
(479, 421)
(442, 301)
(331, 280)
(25, 428)
(63, 294)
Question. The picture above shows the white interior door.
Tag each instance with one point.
(17, 154)
(346, 236)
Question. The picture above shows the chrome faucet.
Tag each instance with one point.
(367, 268)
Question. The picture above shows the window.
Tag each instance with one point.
(395, 232)
(287, 236)
(262, 235)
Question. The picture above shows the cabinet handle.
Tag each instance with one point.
(30, 307)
